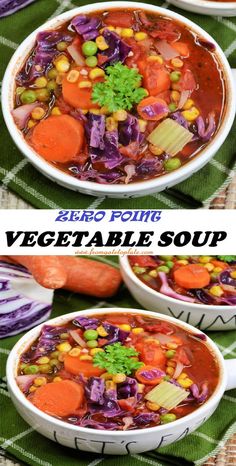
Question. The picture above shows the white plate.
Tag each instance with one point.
(207, 7)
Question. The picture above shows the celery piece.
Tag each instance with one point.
(167, 395)
(170, 136)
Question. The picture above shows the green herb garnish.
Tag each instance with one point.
(117, 359)
(120, 90)
(227, 258)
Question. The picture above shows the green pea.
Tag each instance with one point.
(28, 97)
(52, 74)
(61, 46)
(170, 354)
(169, 417)
(92, 343)
(139, 270)
(91, 61)
(167, 377)
(166, 258)
(19, 90)
(43, 95)
(31, 369)
(90, 334)
(172, 164)
(54, 362)
(172, 107)
(23, 366)
(52, 85)
(175, 76)
(55, 354)
(89, 48)
(45, 368)
(163, 268)
(170, 264)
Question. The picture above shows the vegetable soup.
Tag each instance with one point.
(119, 96)
(194, 279)
(118, 371)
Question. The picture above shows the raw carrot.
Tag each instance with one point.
(48, 271)
(75, 366)
(59, 398)
(58, 138)
(155, 114)
(192, 276)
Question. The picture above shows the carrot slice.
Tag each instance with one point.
(220, 264)
(75, 366)
(76, 97)
(140, 375)
(58, 138)
(152, 354)
(160, 108)
(59, 398)
(192, 276)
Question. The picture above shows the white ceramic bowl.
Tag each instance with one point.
(201, 316)
(110, 442)
(207, 7)
(115, 190)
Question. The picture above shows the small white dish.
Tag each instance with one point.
(206, 7)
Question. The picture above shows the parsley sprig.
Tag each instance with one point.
(120, 90)
(227, 258)
(117, 359)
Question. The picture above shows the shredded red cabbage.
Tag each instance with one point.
(86, 322)
(86, 26)
(205, 132)
(8, 7)
(118, 49)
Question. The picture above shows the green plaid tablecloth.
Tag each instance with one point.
(18, 175)
(19, 441)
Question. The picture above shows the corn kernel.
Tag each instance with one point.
(106, 376)
(216, 290)
(185, 383)
(86, 357)
(56, 111)
(191, 115)
(84, 84)
(172, 345)
(209, 266)
(31, 124)
(32, 389)
(95, 111)
(152, 340)
(171, 363)
(104, 111)
(182, 262)
(64, 347)
(74, 352)
(73, 76)
(118, 30)
(110, 385)
(96, 73)
(217, 269)
(111, 28)
(155, 58)
(141, 387)
(233, 274)
(140, 36)
(177, 63)
(101, 331)
(125, 327)
(127, 32)
(40, 82)
(61, 357)
(38, 113)
(111, 124)
(137, 330)
(119, 378)
(142, 125)
(155, 150)
(183, 375)
(188, 104)
(120, 115)
(62, 65)
(57, 379)
(152, 406)
(94, 351)
(101, 43)
(170, 370)
(39, 381)
(175, 96)
(153, 273)
(84, 111)
(204, 259)
(43, 360)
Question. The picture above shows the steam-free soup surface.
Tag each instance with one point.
(119, 96)
(118, 371)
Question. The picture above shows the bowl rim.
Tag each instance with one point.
(29, 336)
(102, 189)
(209, 307)
(208, 4)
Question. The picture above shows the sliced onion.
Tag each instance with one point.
(178, 369)
(167, 290)
(22, 113)
(25, 381)
(130, 172)
(76, 55)
(183, 97)
(128, 421)
(77, 338)
(163, 339)
(166, 50)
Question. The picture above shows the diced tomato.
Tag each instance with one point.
(143, 261)
(131, 151)
(137, 51)
(152, 354)
(182, 48)
(119, 19)
(187, 81)
(165, 30)
(161, 327)
(118, 319)
(156, 78)
(181, 356)
(101, 59)
(127, 404)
